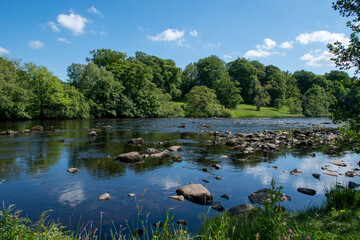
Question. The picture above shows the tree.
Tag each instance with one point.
(210, 70)
(201, 102)
(292, 94)
(228, 93)
(261, 96)
(305, 80)
(274, 81)
(188, 78)
(316, 102)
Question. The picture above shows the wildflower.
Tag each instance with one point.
(332, 208)
(35, 234)
(291, 236)
(284, 238)
(185, 232)
(342, 211)
(308, 238)
(290, 231)
(155, 236)
(44, 233)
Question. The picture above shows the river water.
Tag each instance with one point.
(34, 169)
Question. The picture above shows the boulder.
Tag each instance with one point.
(164, 154)
(177, 198)
(263, 196)
(26, 131)
(152, 151)
(216, 166)
(331, 173)
(225, 196)
(37, 128)
(136, 141)
(351, 174)
(175, 148)
(339, 163)
(104, 196)
(316, 175)
(60, 140)
(307, 191)
(353, 185)
(129, 157)
(196, 193)
(92, 133)
(177, 158)
(73, 170)
(181, 125)
(217, 206)
(240, 210)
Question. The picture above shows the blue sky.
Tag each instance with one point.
(290, 34)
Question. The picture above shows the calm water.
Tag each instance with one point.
(33, 168)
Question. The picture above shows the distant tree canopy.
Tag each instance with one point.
(111, 84)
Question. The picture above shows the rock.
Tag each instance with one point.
(296, 170)
(73, 170)
(312, 154)
(152, 151)
(164, 154)
(158, 224)
(37, 128)
(353, 185)
(26, 131)
(182, 222)
(136, 141)
(196, 193)
(263, 196)
(224, 156)
(8, 132)
(205, 181)
(208, 142)
(326, 167)
(218, 178)
(92, 134)
(205, 169)
(144, 156)
(177, 158)
(339, 163)
(177, 198)
(307, 191)
(60, 140)
(225, 196)
(104, 196)
(217, 206)
(175, 148)
(331, 173)
(131, 195)
(181, 125)
(275, 167)
(240, 210)
(216, 166)
(129, 157)
(351, 174)
(316, 175)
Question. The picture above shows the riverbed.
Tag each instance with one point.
(34, 168)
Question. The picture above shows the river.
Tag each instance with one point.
(34, 169)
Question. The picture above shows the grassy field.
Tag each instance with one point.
(247, 110)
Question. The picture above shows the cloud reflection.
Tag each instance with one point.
(73, 195)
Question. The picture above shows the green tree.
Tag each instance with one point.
(188, 78)
(201, 102)
(292, 94)
(305, 80)
(316, 102)
(228, 93)
(210, 70)
(274, 81)
(262, 96)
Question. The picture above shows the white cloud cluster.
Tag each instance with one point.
(36, 44)
(262, 50)
(321, 36)
(64, 40)
(4, 51)
(286, 45)
(227, 56)
(168, 35)
(74, 22)
(318, 58)
(54, 27)
(94, 11)
(194, 33)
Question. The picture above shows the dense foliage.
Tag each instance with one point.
(111, 84)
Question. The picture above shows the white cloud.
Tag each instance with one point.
(64, 40)
(227, 56)
(54, 27)
(103, 33)
(268, 44)
(94, 11)
(36, 44)
(321, 36)
(194, 33)
(286, 45)
(212, 45)
(258, 53)
(318, 58)
(4, 51)
(73, 22)
(168, 35)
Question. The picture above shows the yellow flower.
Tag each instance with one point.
(342, 211)
(332, 208)
(185, 232)
(155, 236)
(44, 234)
(35, 234)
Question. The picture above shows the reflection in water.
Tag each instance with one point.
(33, 164)
(73, 195)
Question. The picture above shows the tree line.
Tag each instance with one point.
(112, 84)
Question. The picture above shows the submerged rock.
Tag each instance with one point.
(225, 196)
(217, 206)
(177, 158)
(196, 193)
(316, 175)
(241, 210)
(37, 128)
(73, 170)
(129, 157)
(263, 196)
(136, 141)
(307, 191)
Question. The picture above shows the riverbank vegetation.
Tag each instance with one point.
(112, 84)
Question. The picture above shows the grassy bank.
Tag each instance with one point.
(248, 110)
(337, 218)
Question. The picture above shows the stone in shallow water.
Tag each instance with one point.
(263, 196)
(177, 198)
(339, 163)
(240, 210)
(73, 170)
(129, 157)
(196, 193)
(307, 191)
(331, 173)
(104, 196)
(217, 206)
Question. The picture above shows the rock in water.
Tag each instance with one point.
(217, 206)
(339, 163)
(136, 141)
(129, 157)
(164, 154)
(316, 175)
(196, 193)
(177, 158)
(263, 196)
(307, 191)
(177, 198)
(175, 148)
(240, 210)
(104, 196)
(152, 151)
(73, 170)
